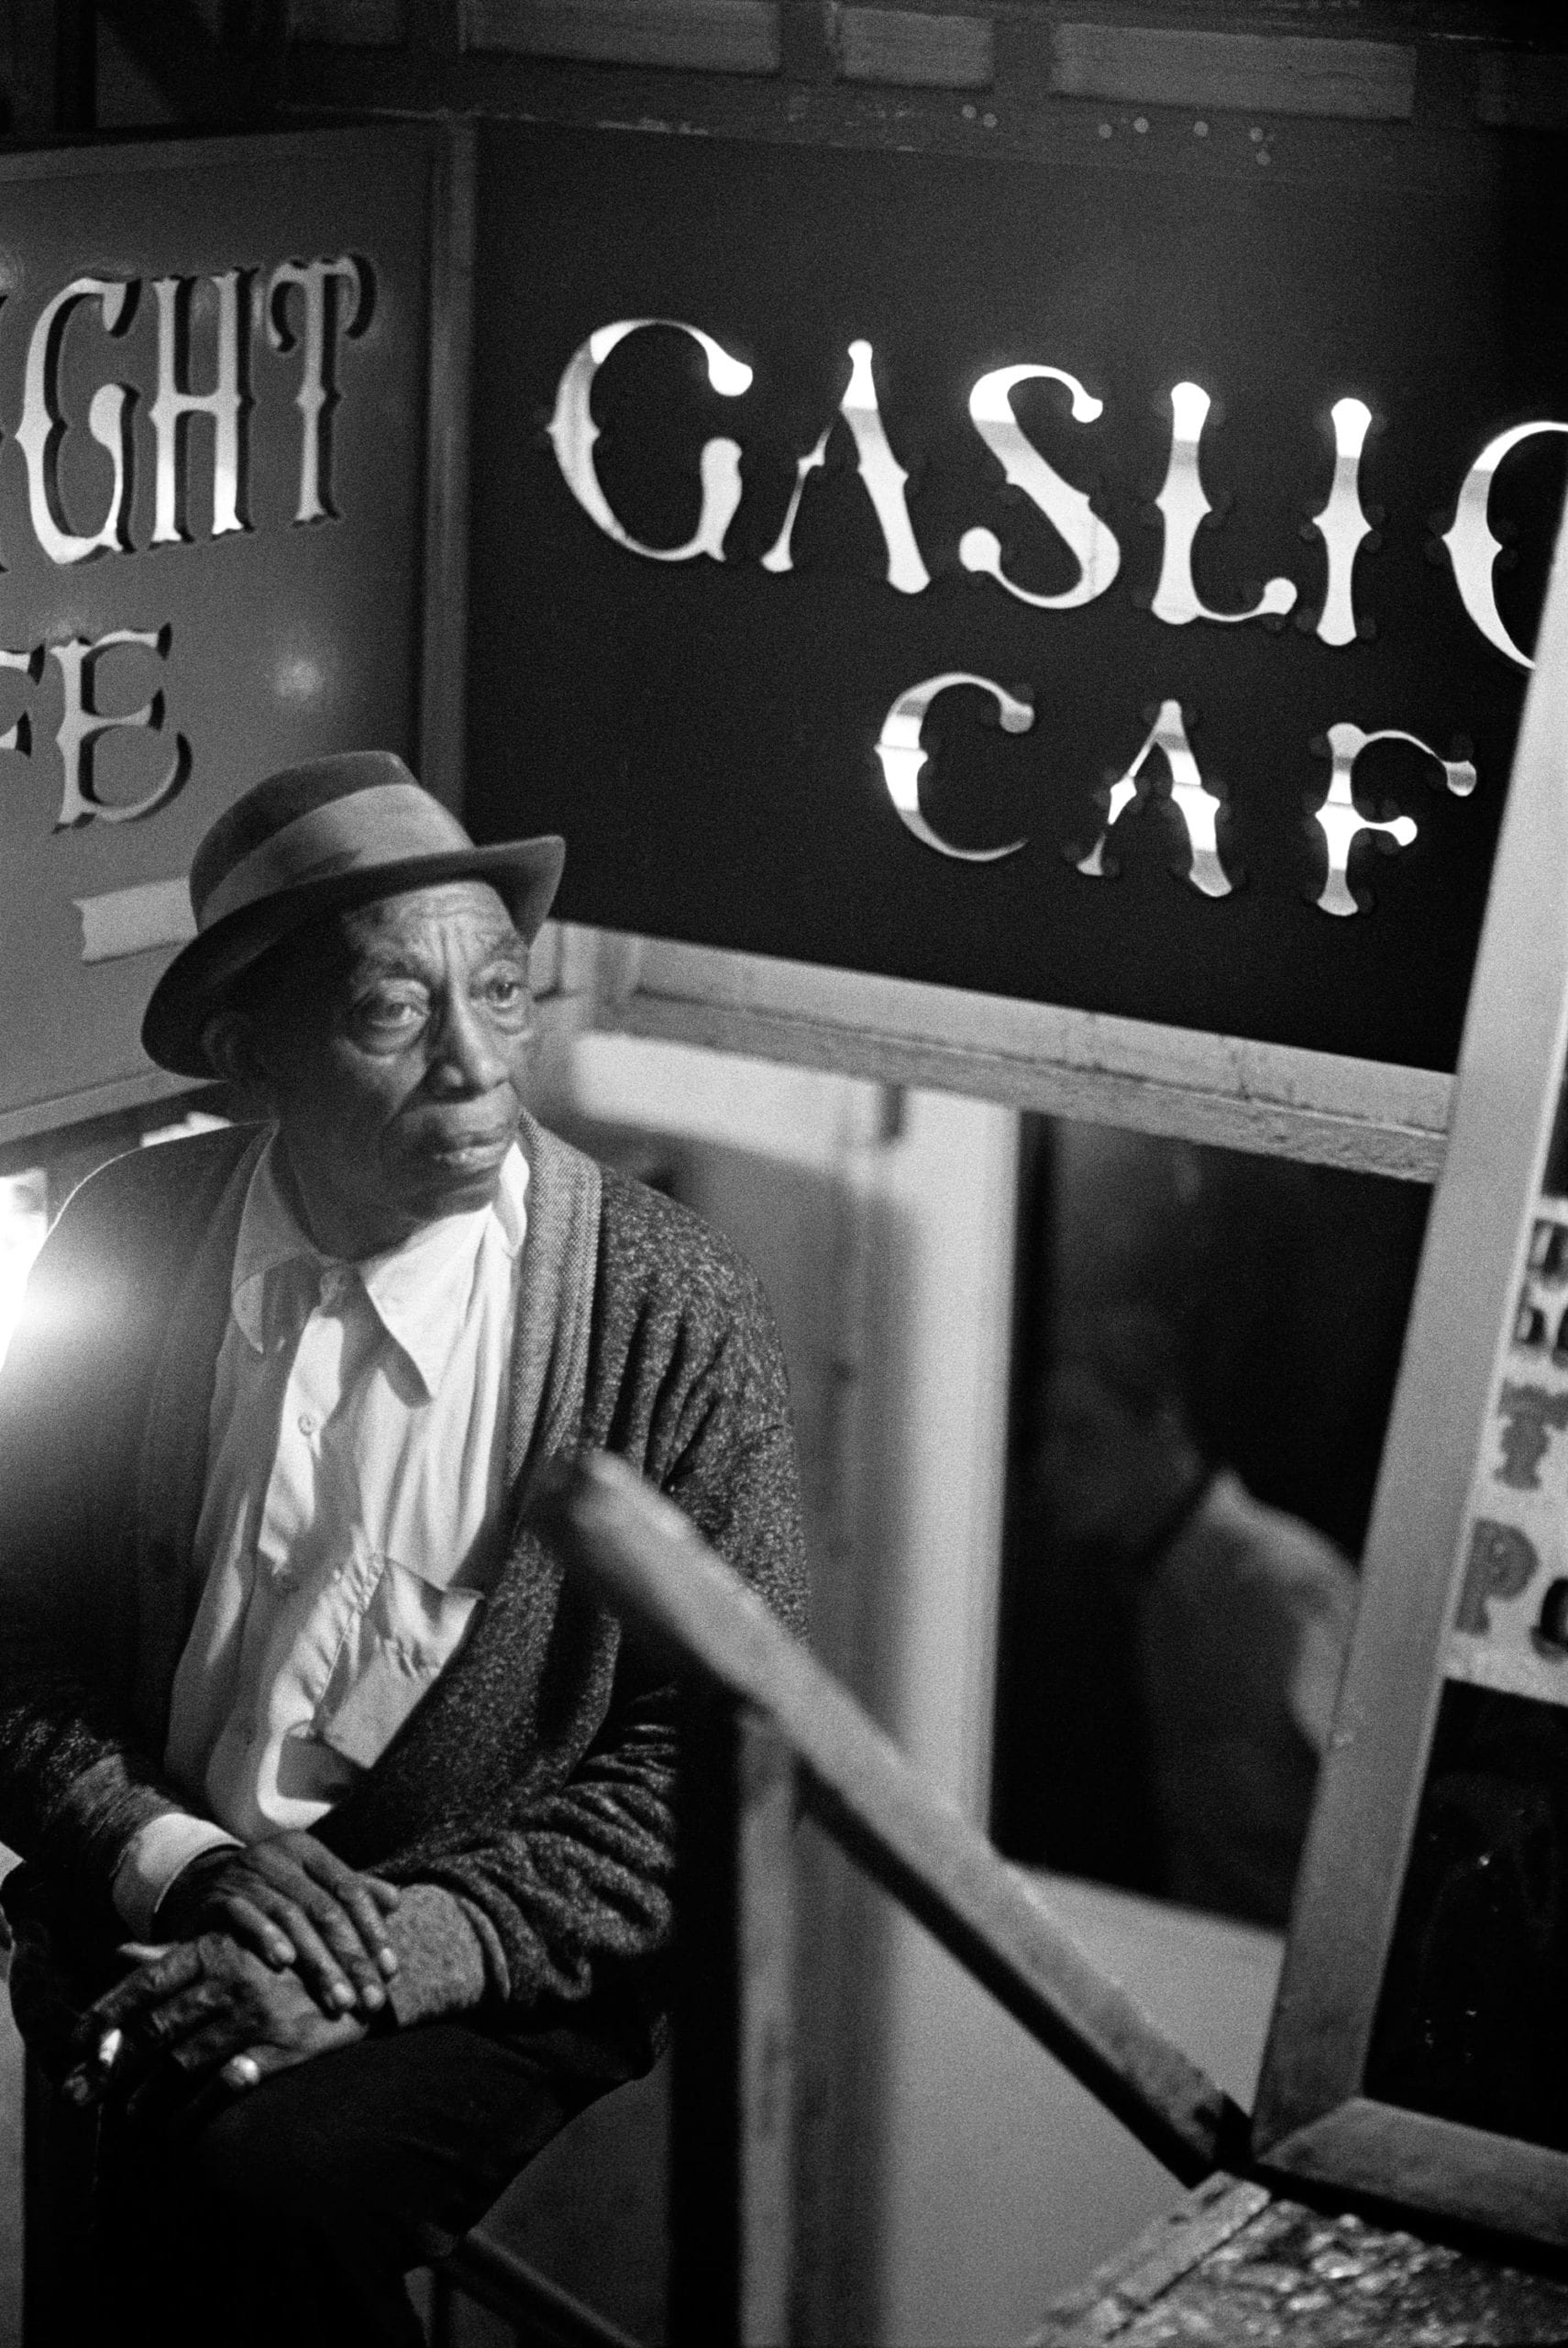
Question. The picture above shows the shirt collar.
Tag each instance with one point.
(420, 1291)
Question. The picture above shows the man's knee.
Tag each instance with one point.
(391, 2149)
(264, 2160)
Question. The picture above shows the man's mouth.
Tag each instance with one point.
(471, 1149)
(474, 1148)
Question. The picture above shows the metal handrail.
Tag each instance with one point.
(651, 1566)
(485, 2270)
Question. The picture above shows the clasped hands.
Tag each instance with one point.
(274, 1953)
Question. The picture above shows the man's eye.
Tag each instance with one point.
(506, 992)
(384, 1015)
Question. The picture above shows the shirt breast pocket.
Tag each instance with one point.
(395, 1650)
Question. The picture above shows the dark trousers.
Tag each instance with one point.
(293, 2213)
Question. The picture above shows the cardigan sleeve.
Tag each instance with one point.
(553, 1897)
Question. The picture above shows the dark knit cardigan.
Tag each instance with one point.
(529, 1795)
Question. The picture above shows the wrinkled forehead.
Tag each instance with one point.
(450, 922)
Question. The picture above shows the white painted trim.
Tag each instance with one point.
(131, 920)
(1364, 1114)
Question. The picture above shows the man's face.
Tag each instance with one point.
(1084, 1443)
(1100, 1467)
(394, 1059)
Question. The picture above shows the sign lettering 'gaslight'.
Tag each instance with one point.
(872, 596)
(1343, 526)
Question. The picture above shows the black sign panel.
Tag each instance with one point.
(706, 731)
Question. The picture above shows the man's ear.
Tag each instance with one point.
(229, 1042)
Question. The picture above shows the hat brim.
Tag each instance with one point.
(527, 873)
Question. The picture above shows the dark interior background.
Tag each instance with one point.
(1289, 1285)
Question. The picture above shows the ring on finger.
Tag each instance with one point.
(243, 2071)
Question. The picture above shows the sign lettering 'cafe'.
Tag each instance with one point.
(1341, 524)
(304, 308)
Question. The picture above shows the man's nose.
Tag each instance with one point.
(468, 1058)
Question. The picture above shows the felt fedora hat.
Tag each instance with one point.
(340, 831)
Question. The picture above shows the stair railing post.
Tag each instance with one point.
(731, 2107)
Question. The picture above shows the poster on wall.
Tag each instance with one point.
(1101, 586)
(213, 366)
(1465, 2027)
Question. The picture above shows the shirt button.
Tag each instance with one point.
(308, 1425)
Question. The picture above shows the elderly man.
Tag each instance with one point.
(347, 1821)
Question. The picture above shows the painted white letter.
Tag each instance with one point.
(1472, 549)
(880, 471)
(1184, 505)
(318, 393)
(20, 736)
(225, 404)
(108, 420)
(573, 434)
(83, 724)
(1197, 807)
(1091, 545)
(1342, 823)
(1341, 524)
(902, 755)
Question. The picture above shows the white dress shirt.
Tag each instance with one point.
(351, 1520)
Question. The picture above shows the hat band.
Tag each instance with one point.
(389, 823)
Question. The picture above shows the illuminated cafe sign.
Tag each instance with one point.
(212, 377)
(1341, 526)
(1080, 584)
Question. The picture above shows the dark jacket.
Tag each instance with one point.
(533, 1785)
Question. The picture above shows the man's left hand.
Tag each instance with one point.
(201, 2004)
(297, 1904)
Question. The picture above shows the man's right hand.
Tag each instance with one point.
(185, 2009)
(294, 1903)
